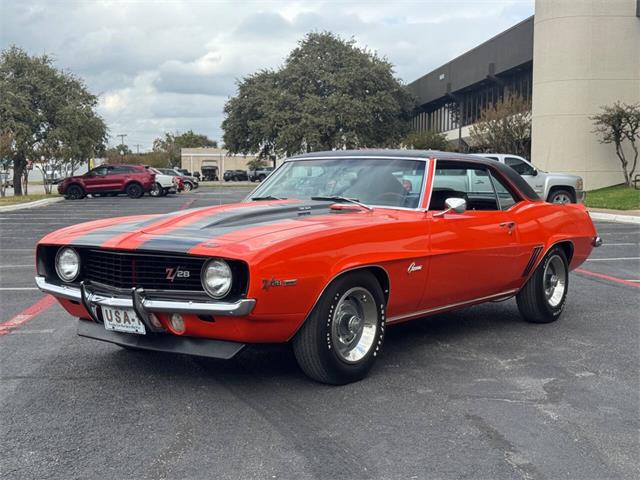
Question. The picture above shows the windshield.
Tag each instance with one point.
(387, 182)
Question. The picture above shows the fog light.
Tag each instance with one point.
(155, 321)
(177, 323)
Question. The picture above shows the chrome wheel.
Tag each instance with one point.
(561, 198)
(187, 187)
(354, 324)
(555, 281)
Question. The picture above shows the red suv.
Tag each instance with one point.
(134, 180)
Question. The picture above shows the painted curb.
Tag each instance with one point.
(610, 217)
(37, 203)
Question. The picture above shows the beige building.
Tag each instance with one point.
(569, 59)
(194, 158)
(586, 53)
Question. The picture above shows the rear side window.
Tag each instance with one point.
(119, 170)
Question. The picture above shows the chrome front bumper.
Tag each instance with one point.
(92, 297)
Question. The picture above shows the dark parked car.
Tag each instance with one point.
(260, 174)
(235, 176)
(134, 180)
(189, 182)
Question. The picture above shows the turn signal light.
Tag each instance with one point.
(177, 323)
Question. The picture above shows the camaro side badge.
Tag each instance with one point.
(266, 284)
(414, 268)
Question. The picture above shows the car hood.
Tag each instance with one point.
(237, 228)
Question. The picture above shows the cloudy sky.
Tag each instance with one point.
(170, 65)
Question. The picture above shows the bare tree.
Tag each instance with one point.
(616, 124)
(504, 127)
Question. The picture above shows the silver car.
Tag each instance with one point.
(551, 186)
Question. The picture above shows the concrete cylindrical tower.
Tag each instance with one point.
(586, 54)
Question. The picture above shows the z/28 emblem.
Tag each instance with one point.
(176, 272)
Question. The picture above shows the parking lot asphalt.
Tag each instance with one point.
(475, 394)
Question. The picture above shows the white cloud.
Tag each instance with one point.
(161, 66)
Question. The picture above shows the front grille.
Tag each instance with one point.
(127, 270)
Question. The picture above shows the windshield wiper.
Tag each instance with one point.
(344, 199)
(268, 197)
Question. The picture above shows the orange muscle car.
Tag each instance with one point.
(330, 250)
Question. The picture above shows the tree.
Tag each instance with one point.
(504, 127)
(328, 94)
(616, 124)
(48, 112)
(173, 144)
(256, 164)
(427, 140)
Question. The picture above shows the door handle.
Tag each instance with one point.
(509, 225)
(478, 182)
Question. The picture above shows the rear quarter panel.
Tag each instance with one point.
(541, 223)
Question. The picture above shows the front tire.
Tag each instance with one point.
(343, 336)
(561, 197)
(543, 298)
(187, 186)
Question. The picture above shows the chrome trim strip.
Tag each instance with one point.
(239, 308)
(64, 291)
(453, 305)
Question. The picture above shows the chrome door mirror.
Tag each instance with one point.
(453, 204)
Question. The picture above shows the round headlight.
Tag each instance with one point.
(67, 264)
(217, 278)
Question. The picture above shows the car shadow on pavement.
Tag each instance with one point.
(406, 343)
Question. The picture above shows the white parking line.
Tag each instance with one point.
(619, 244)
(17, 289)
(611, 259)
(15, 266)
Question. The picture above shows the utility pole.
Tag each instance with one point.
(121, 135)
(137, 145)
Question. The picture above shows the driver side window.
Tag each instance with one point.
(523, 168)
(469, 182)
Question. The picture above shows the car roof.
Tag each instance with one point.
(394, 153)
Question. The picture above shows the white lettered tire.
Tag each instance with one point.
(341, 339)
(543, 298)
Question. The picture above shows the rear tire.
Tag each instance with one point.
(156, 190)
(543, 298)
(134, 190)
(341, 339)
(74, 192)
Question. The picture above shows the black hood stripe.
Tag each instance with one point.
(218, 224)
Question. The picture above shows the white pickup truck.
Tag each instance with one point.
(550, 186)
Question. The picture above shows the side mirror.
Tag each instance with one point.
(534, 173)
(456, 205)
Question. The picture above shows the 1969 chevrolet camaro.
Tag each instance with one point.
(330, 250)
